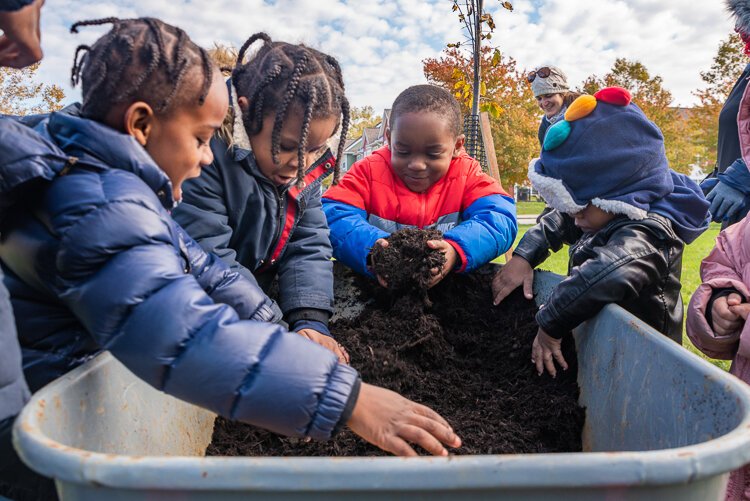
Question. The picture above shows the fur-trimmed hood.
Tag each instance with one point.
(608, 154)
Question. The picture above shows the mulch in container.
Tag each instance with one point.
(455, 352)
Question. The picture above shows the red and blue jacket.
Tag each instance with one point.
(477, 217)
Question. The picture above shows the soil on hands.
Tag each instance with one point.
(461, 356)
(407, 263)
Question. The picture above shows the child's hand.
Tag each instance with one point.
(544, 349)
(516, 272)
(725, 319)
(383, 243)
(389, 421)
(326, 342)
(451, 258)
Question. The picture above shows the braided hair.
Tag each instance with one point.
(281, 76)
(141, 59)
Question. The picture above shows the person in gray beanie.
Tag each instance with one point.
(552, 92)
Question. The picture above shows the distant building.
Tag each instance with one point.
(371, 139)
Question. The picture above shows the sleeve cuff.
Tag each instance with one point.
(347, 414)
(311, 324)
(461, 267)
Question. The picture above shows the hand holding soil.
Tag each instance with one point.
(516, 272)
(326, 342)
(544, 350)
(407, 262)
(382, 242)
(451, 259)
(389, 421)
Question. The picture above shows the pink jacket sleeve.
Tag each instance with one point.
(722, 268)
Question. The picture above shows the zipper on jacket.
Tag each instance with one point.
(279, 229)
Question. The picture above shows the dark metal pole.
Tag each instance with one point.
(477, 56)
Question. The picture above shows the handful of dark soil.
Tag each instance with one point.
(464, 358)
(407, 262)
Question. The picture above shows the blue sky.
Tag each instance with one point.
(381, 44)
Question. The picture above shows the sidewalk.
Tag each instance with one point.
(527, 219)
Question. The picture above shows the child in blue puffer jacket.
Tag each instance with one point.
(94, 261)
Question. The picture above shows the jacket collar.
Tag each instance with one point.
(96, 144)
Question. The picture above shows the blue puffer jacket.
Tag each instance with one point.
(94, 261)
(26, 159)
(264, 231)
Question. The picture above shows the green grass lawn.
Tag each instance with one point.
(530, 208)
(691, 260)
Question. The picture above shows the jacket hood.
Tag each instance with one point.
(686, 207)
(96, 144)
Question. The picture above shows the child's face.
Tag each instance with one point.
(285, 172)
(592, 218)
(178, 142)
(551, 104)
(422, 147)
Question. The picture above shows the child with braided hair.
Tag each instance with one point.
(258, 204)
(94, 261)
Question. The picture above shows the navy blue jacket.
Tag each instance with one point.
(263, 231)
(13, 390)
(94, 261)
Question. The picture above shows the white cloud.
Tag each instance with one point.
(381, 43)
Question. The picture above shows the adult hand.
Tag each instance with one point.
(544, 351)
(725, 321)
(515, 272)
(389, 421)
(326, 342)
(726, 202)
(20, 44)
(451, 259)
(383, 243)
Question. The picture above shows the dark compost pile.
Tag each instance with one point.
(461, 356)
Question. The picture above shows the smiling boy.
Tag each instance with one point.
(422, 179)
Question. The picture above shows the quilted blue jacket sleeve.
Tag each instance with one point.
(487, 230)
(352, 236)
(121, 274)
(227, 286)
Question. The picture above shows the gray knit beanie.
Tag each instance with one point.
(555, 83)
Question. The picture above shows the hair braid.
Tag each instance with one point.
(142, 59)
(291, 91)
(342, 139)
(312, 101)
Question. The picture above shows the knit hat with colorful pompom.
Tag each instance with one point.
(607, 153)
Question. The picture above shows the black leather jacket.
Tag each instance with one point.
(636, 264)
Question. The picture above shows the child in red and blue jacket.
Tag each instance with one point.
(422, 179)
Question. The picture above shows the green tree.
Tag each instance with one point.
(727, 66)
(20, 94)
(361, 118)
(655, 101)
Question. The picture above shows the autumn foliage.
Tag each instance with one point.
(20, 94)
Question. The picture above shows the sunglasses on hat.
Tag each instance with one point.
(542, 72)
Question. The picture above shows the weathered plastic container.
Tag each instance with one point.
(660, 424)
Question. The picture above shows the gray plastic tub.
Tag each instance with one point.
(660, 424)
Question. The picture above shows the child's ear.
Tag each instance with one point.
(388, 136)
(139, 121)
(459, 145)
(244, 103)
